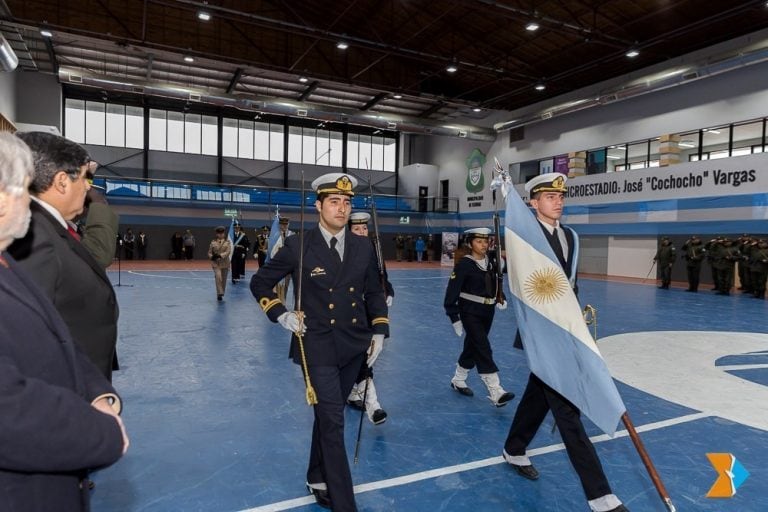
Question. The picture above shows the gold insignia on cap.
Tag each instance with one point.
(545, 286)
(558, 182)
(344, 184)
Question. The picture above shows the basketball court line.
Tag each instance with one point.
(468, 466)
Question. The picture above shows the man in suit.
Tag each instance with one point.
(341, 322)
(54, 255)
(547, 193)
(60, 416)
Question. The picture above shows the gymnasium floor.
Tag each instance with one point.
(218, 422)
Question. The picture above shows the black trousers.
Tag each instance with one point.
(477, 348)
(666, 275)
(238, 265)
(694, 272)
(537, 400)
(328, 456)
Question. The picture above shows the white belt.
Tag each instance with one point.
(477, 298)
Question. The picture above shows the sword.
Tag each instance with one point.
(310, 391)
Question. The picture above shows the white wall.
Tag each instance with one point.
(630, 257)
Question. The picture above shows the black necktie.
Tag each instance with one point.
(557, 245)
(336, 254)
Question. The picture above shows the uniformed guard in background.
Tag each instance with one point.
(262, 245)
(746, 244)
(240, 247)
(694, 254)
(470, 302)
(728, 255)
(713, 248)
(344, 315)
(758, 267)
(281, 288)
(359, 397)
(665, 257)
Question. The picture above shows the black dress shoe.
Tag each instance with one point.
(528, 472)
(321, 497)
(379, 416)
(219, 297)
(464, 391)
(355, 404)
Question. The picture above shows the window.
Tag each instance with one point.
(134, 127)
(261, 141)
(209, 136)
(115, 125)
(747, 135)
(175, 133)
(74, 120)
(323, 148)
(294, 144)
(245, 139)
(276, 142)
(95, 123)
(229, 138)
(308, 146)
(157, 130)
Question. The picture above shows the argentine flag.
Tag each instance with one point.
(274, 238)
(231, 238)
(557, 341)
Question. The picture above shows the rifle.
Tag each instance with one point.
(497, 234)
(383, 281)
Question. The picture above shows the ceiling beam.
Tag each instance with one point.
(374, 101)
(309, 90)
(431, 110)
(235, 78)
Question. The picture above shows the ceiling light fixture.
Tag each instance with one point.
(477, 109)
(342, 45)
(532, 26)
(188, 58)
(303, 79)
(203, 16)
(397, 96)
(632, 53)
(451, 68)
(540, 86)
(46, 33)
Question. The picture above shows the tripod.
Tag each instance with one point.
(119, 258)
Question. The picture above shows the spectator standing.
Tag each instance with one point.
(129, 242)
(54, 255)
(189, 245)
(142, 240)
(60, 416)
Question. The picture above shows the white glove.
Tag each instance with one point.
(290, 321)
(389, 301)
(501, 306)
(377, 345)
(459, 328)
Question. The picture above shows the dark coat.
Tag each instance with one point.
(337, 300)
(75, 282)
(49, 433)
(469, 278)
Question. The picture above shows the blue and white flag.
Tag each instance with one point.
(275, 241)
(557, 341)
(231, 238)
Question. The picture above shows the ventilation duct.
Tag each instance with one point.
(653, 83)
(286, 108)
(8, 58)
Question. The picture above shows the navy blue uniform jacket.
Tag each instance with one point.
(50, 435)
(338, 300)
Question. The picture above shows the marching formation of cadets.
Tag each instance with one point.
(746, 255)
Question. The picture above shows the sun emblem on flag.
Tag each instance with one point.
(545, 285)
